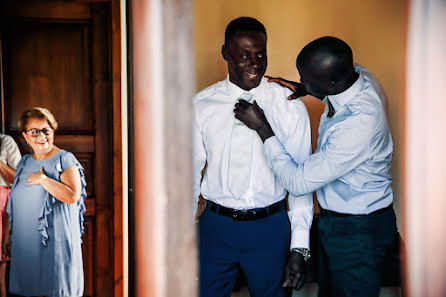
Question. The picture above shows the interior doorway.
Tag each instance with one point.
(58, 55)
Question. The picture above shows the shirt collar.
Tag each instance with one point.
(235, 91)
(341, 99)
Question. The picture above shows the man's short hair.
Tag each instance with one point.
(327, 44)
(243, 24)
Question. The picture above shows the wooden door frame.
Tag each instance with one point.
(118, 210)
(115, 123)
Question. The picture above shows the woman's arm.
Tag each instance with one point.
(7, 172)
(6, 243)
(68, 190)
(10, 158)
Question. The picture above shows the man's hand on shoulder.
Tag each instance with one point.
(253, 117)
(298, 89)
(295, 271)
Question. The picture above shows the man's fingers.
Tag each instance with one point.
(288, 277)
(276, 79)
(258, 107)
(288, 281)
(291, 282)
(237, 113)
(293, 96)
(239, 117)
(299, 281)
(240, 106)
(283, 82)
(243, 103)
(299, 285)
(270, 78)
(294, 280)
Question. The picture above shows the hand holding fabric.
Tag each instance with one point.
(295, 271)
(253, 117)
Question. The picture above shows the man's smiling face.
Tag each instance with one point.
(246, 57)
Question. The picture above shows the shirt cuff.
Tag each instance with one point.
(300, 239)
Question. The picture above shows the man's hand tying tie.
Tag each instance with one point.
(253, 117)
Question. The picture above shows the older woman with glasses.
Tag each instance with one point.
(46, 209)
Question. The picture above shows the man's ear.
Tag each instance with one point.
(224, 52)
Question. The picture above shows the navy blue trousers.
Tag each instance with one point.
(259, 248)
(351, 253)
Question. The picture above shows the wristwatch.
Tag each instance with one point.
(304, 252)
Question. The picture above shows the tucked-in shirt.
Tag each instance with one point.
(9, 154)
(350, 168)
(213, 121)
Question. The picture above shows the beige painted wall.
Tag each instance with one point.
(375, 29)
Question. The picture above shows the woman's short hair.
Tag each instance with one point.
(37, 113)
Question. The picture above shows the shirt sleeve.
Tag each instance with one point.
(68, 160)
(346, 146)
(13, 155)
(295, 136)
(199, 160)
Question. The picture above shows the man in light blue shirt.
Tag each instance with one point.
(349, 170)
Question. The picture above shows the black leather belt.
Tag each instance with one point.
(326, 212)
(248, 214)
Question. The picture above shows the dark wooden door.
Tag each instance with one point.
(55, 54)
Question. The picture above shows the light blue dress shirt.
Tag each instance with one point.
(350, 169)
(213, 122)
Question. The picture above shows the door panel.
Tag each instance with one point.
(56, 55)
(48, 65)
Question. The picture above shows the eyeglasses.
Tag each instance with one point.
(35, 132)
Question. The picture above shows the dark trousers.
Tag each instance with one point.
(258, 248)
(351, 253)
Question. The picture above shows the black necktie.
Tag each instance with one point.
(331, 110)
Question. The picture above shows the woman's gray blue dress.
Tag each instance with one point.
(46, 255)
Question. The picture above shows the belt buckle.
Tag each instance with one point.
(240, 215)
